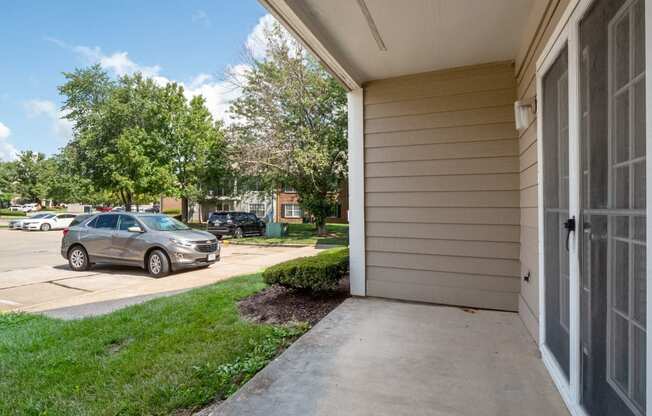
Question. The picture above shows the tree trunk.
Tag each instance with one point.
(184, 209)
(321, 226)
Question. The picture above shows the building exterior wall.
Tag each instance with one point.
(283, 198)
(170, 203)
(539, 28)
(442, 209)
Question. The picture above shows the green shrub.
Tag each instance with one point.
(317, 273)
(172, 211)
(9, 213)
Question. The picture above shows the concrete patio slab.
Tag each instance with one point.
(378, 357)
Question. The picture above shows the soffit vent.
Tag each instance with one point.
(372, 25)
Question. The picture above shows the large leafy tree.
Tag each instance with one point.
(118, 129)
(31, 175)
(138, 139)
(290, 125)
(196, 150)
(7, 182)
(65, 185)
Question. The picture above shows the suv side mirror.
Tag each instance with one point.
(135, 229)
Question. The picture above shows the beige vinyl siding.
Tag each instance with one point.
(541, 25)
(442, 174)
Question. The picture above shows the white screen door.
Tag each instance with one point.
(608, 198)
(613, 249)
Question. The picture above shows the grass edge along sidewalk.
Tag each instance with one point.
(169, 355)
(302, 235)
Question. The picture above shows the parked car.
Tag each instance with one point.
(236, 224)
(25, 207)
(17, 224)
(49, 222)
(154, 242)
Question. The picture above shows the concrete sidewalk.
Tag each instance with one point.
(377, 357)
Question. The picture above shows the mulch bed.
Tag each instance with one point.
(279, 305)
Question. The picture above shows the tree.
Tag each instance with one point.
(196, 150)
(7, 182)
(290, 125)
(118, 132)
(31, 174)
(138, 139)
(65, 185)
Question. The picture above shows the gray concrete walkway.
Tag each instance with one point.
(377, 357)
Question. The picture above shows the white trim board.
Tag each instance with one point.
(357, 263)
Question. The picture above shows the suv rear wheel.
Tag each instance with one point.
(238, 233)
(158, 264)
(78, 259)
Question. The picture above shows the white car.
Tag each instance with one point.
(48, 222)
(28, 207)
(17, 224)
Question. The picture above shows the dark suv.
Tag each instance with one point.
(237, 224)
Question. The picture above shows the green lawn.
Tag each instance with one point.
(304, 235)
(161, 357)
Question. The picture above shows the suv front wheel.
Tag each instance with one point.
(158, 264)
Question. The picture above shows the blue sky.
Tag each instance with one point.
(192, 42)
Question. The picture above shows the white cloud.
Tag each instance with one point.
(256, 43)
(200, 16)
(118, 62)
(218, 93)
(7, 150)
(61, 127)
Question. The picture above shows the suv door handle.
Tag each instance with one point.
(569, 225)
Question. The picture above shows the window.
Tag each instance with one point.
(218, 217)
(292, 211)
(163, 223)
(257, 209)
(108, 222)
(127, 221)
(337, 211)
(289, 190)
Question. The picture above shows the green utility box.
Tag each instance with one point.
(277, 229)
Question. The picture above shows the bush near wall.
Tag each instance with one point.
(172, 211)
(8, 213)
(319, 273)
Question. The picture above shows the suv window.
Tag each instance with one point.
(218, 217)
(107, 222)
(78, 219)
(252, 217)
(127, 221)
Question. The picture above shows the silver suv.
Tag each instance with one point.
(155, 242)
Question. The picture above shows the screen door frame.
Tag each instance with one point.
(566, 33)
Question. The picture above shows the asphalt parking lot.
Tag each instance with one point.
(35, 278)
